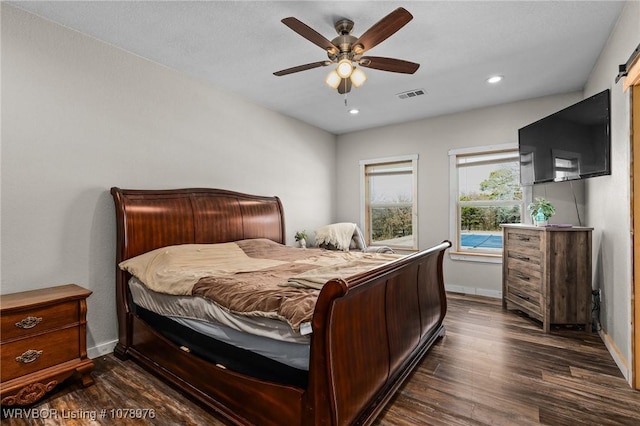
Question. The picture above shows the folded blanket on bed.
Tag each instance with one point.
(176, 269)
(338, 234)
(250, 277)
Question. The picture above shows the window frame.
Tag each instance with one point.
(454, 194)
(364, 197)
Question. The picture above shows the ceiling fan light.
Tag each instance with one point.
(358, 77)
(344, 68)
(333, 79)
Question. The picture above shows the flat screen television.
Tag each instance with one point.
(574, 143)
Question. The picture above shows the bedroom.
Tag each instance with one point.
(80, 116)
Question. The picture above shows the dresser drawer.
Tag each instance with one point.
(35, 320)
(523, 239)
(526, 290)
(529, 271)
(531, 306)
(56, 347)
(526, 256)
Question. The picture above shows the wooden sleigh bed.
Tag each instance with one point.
(368, 332)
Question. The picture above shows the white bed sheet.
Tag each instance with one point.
(202, 309)
(267, 337)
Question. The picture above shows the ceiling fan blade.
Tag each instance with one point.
(345, 86)
(388, 64)
(382, 30)
(302, 68)
(310, 34)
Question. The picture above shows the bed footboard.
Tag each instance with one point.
(369, 334)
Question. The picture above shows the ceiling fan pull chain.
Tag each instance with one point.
(346, 92)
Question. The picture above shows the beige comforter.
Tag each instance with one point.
(251, 277)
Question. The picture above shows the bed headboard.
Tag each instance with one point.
(150, 219)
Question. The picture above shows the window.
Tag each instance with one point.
(485, 192)
(389, 202)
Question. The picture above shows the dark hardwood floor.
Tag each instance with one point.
(493, 367)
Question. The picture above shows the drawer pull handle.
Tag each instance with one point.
(522, 296)
(523, 238)
(521, 257)
(28, 322)
(523, 277)
(29, 356)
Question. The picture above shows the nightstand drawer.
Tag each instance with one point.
(35, 320)
(35, 353)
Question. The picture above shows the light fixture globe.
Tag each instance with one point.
(344, 68)
(333, 79)
(358, 77)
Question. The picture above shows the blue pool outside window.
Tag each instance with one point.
(475, 241)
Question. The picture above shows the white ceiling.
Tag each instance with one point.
(541, 48)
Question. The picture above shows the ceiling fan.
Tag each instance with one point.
(346, 50)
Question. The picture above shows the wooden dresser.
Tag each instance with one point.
(43, 342)
(546, 273)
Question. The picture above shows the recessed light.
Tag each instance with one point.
(494, 79)
(354, 111)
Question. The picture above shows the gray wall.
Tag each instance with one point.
(79, 116)
(608, 197)
(431, 139)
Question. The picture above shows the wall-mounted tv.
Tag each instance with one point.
(574, 143)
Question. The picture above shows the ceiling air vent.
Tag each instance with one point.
(411, 94)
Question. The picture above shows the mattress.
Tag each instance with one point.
(223, 355)
(268, 337)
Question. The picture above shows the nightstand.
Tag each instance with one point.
(43, 342)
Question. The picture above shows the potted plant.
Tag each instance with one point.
(301, 238)
(541, 210)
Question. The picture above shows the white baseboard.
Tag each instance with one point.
(496, 294)
(101, 349)
(619, 359)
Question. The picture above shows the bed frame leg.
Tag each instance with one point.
(120, 352)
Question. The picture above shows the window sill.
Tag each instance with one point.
(476, 257)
